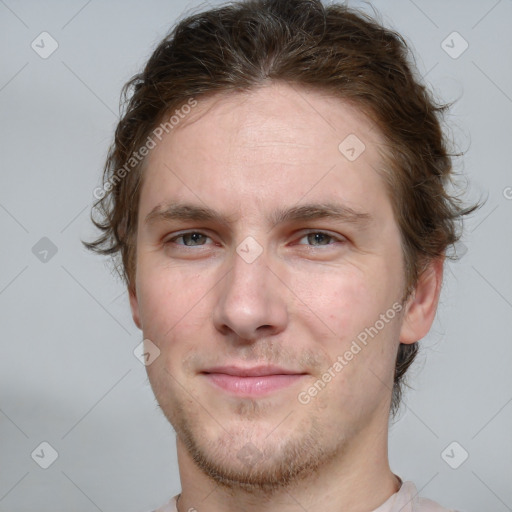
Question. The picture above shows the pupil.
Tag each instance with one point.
(195, 237)
(318, 238)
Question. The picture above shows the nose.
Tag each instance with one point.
(251, 301)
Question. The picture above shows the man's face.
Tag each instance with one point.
(254, 288)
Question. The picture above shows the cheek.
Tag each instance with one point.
(344, 299)
(170, 301)
(343, 318)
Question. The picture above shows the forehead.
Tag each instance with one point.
(274, 144)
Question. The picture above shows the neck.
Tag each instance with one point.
(357, 479)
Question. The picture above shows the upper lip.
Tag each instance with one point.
(255, 371)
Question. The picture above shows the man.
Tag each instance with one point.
(276, 193)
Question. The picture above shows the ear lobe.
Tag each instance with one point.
(134, 306)
(421, 307)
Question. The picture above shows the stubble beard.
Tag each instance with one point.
(244, 459)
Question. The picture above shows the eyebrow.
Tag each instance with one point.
(312, 211)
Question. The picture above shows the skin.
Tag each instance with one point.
(299, 304)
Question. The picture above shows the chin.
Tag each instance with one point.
(249, 454)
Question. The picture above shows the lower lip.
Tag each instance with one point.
(252, 386)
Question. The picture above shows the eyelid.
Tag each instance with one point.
(335, 236)
(173, 236)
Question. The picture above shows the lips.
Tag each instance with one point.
(255, 381)
(255, 371)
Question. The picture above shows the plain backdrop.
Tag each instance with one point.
(68, 375)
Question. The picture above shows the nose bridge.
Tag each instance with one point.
(250, 297)
(249, 270)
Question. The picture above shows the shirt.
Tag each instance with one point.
(405, 500)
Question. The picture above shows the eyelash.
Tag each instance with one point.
(339, 239)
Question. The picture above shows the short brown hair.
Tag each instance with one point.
(333, 49)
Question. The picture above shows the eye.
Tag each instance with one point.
(189, 239)
(196, 238)
(320, 238)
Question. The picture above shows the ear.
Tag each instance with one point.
(134, 306)
(421, 306)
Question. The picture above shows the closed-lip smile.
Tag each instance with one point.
(251, 381)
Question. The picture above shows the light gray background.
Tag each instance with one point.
(67, 373)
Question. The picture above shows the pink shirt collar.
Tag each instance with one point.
(405, 500)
